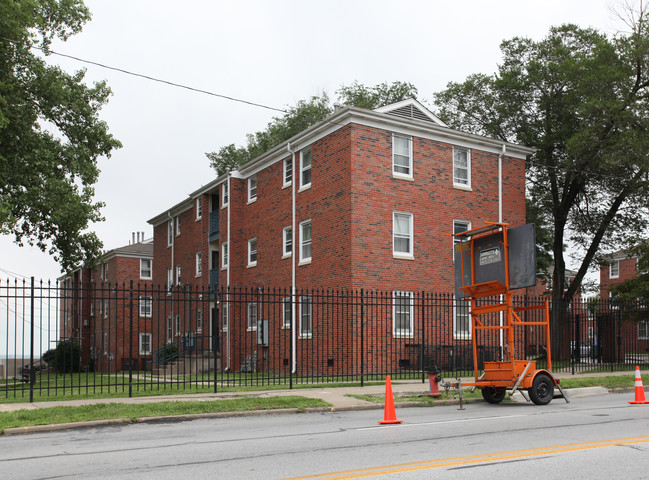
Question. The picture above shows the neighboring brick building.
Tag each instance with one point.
(364, 199)
(620, 267)
(95, 308)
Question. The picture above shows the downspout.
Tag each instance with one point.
(227, 275)
(173, 271)
(293, 258)
(500, 220)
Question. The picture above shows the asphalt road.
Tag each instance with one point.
(592, 437)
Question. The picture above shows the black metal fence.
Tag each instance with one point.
(131, 339)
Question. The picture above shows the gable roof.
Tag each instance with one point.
(410, 108)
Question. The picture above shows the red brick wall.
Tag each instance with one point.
(627, 271)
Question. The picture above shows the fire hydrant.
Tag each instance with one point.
(434, 378)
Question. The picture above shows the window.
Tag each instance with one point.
(305, 241)
(286, 312)
(403, 314)
(225, 256)
(288, 171)
(146, 306)
(199, 264)
(177, 275)
(199, 320)
(402, 156)
(178, 225)
(462, 319)
(177, 324)
(170, 279)
(252, 252)
(145, 344)
(146, 268)
(643, 330)
(287, 242)
(170, 233)
(225, 194)
(252, 316)
(199, 208)
(305, 168)
(104, 272)
(252, 188)
(614, 269)
(306, 316)
(224, 317)
(402, 234)
(170, 329)
(105, 308)
(459, 226)
(461, 167)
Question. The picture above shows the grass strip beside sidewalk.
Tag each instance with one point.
(132, 412)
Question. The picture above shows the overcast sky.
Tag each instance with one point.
(273, 53)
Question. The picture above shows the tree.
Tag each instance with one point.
(50, 134)
(636, 288)
(580, 98)
(302, 116)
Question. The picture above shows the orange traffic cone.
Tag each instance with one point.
(389, 413)
(639, 389)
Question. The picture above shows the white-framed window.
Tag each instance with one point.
(286, 312)
(177, 274)
(305, 241)
(199, 208)
(225, 254)
(305, 311)
(177, 324)
(199, 320)
(145, 343)
(462, 319)
(643, 330)
(402, 235)
(104, 272)
(287, 241)
(614, 269)
(288, 171)
(146, 268)
(459, 226)
(170, 233)
(252, 252)
(403, 311)
(146, 305)
(178, 225)
(252, 315)
(252, 188)
(305, 168)
(105, 308)
(402, 156)
(170, 329)
(170, 279)
(224, 317)
(461, 167)
(225, 194)
(199, 264)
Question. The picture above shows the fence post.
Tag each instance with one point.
(423, 337)
(130, 342)
(291, 340)
(32, 372)
(362, 339)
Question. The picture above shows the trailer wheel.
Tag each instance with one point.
(493, 394)
(542, 389)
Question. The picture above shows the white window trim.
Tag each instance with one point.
(178, 271)
(610, 269)
(404, 176)
(170, 279)
(199, 316)
(225, 320)
(252, 327)
(464, 335)
(305, 186)
(305, 260)
(308, 334)
(463, 186)
(170, 233)
(411, 315)
(252, 263)
(199, 208)
(285, 182)
(285, 236)
(177, 225)
(455, 240)
(225, 255)
(142, 350)
(225, 194)
(143, 301)
(411, 237)
(178, 324)
(252, 198)
(286, 322)
(644, 323)
(199, 264)
(144, 277)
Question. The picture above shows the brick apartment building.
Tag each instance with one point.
(363, 199)
(95, 308)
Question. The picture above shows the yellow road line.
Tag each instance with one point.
(484, 458)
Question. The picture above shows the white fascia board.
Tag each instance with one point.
(415, 103)
(173, 211)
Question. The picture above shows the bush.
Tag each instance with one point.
(65, 358)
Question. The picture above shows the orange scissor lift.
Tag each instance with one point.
(484, 271)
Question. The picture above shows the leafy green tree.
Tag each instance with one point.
(638, 286)
(581, 99)
(302, 116)
(50, 134)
